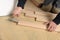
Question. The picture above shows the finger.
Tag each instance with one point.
(51, 29)
(49, 26)
(54, 28)
(17, 15)
(14, 15)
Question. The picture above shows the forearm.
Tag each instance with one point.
(21, 3)
(57, 19)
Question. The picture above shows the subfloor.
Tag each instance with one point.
(11, 31)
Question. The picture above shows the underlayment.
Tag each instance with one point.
(11, 31)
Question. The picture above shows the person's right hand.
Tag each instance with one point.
(51, 26)
(16, 12)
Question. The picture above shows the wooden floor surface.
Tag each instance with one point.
(11, 31)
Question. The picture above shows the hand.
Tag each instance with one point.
(17, 11)
(51, 26)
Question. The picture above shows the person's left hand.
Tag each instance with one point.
(51, 26)
(17, 11)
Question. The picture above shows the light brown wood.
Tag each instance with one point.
(43, 18)
(30, 15)
(39, 25)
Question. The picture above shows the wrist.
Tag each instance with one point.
(56, 21)
(19, 8)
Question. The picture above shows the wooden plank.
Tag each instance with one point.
(33, 14)
(30, 15)
(44, 13)
(28, 11)
(39, 25)
(43, 18)
(32, 24)
(40, 12)
(39, 17)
